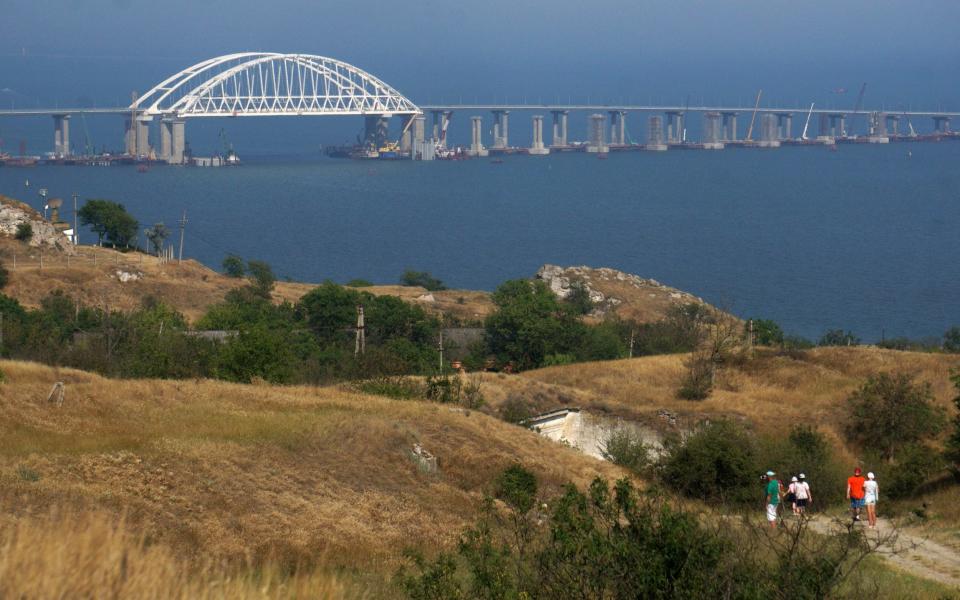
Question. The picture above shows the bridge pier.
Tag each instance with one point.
(406, 134)
(501, 124)
(143, 135)
(675, 129)
(941, 124)
(712, 131)
(655, 134)
(559, 139)
(892, 124)
(618, 127)
(769, 131)
(375, 131)
(598, 134)
(537, 148)
(166, 139)
(729, 126)
(178, 141)
(61, 135)
(785, 126)
(877, 128)
(476, 137)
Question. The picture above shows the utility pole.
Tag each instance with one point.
(76, 230)
(183, 225)
(632, 336)
(361, 341)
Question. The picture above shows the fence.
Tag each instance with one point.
(84, 257)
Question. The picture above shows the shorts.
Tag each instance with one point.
(870, 500)
(771, 512)
(801, 502)
(856, 502)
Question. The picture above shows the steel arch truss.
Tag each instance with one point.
(271, 84)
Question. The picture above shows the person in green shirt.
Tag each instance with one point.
(774, 492)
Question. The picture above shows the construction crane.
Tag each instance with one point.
(806, 125)
(87, 146)
(858, 105)
(230, 157)
(753, 118)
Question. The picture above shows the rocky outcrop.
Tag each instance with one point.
(613, 290)
(13, 213)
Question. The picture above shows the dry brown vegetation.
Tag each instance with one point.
(256, 473)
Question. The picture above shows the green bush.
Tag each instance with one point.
(518, 488)
(422, 279)
(953, 442)
(400, 387)
(915, 465)
(24, 232)
(233, 266)
(4, 276)
(838, 337)
(625, 447)
(767, 332)
(578, 299)
(515, 410)
(359, 283)
(951, 340)
(717, 461)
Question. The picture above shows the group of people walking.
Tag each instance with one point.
(861, 492)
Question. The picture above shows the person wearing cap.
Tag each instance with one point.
(774, 491)
(802, 491)
(855, 493)
(871, 493)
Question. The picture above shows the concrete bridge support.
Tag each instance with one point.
(769, 137)
(178, 141)
(406, 134)
(618, 127)
(375, 131)
(655, 134)
(892, 124)
(785, 125)
(598, 134)
(419, 128)
(501, 126)
(559, 128)
(675, 127)
(712, 131)
(437, 120)
(143, 135)
(832, 125)
(941, 124)
(537, 148)
(61, 135)
(476, 137)
(877, 128)
(166, 139)
(729, 126)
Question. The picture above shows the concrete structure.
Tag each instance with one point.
(785, 125)
(166, 139)
(501, 126)
(729, 126)
(877, 128)
(712, 131)
(537, 147)
(832, 126)
(375, 130)
(143, 135)
(618, 127)
(892, 124)
(769, 137)
(178, 141)
(598, 138)
(406, 133)
(941, 124)
(589, 433)
(476, 137)
(655, 134)
(676, 133)
(61, 135)
(559, 139)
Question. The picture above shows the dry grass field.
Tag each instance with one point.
(255, 473)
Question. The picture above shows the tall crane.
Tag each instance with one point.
(753, 119)
(858, 105)
(806, 125)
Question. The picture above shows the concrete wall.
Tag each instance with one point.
(588, 433)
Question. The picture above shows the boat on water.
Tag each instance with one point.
(231, 159)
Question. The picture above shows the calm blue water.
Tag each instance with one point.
(864, 238)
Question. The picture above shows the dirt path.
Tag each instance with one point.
(911, 553)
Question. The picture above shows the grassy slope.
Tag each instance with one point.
(238, 471)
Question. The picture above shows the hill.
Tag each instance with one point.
(259, 473)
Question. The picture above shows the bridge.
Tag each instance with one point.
(251, 84)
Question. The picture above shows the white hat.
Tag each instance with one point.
(869, 475)
(793, 479)
(802, 476)
(770, 473)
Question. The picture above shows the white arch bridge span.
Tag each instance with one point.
(252, 84)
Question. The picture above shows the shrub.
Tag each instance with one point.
(717, 461)
(767, 332)
(4, 276)
(890, 411)
(915, 465)
(951, 340)
(697, 382)
(953, 442)
(400, 387)
(24, 232)
(838, 337)
(578, 299)
(517, 487)
(515, 410)
(422, 279)
(625, 447)
(359, 283)
(156, 235)
(233, 266)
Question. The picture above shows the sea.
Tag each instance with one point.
(864, 238)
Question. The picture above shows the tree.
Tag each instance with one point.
(767, 332)
(890, 411)
(716, 461)
(4, 276)
(579, 299)
(421, 279)
(261, 277)
(233, 266)
(953, 443)
(24, 232)
(109, 219)
(951, 339)
(157, 235)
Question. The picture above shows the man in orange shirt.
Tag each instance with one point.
(855, 493)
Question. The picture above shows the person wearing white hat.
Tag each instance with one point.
(774, 491)
(792, 494)
(871, 493)
(804, 497)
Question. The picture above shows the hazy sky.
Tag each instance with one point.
(908, 51)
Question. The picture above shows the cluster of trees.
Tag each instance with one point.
(621, 543)
(110, 221)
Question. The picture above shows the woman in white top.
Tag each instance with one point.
(802, 491)
(871, 492)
